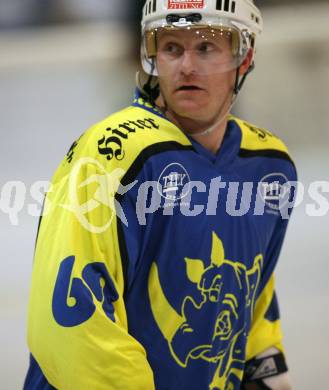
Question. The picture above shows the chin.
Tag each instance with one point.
(190, 115)
(191, 111)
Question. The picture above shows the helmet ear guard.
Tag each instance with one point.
(151, 44)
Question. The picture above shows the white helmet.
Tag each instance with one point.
(240, 17)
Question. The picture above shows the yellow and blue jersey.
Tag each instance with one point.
(150, 270)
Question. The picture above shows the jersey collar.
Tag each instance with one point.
(231, 144)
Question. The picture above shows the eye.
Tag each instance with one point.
(206, 47)
(173, 48)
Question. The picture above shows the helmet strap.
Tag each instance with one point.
(150, 90)
(240, 82)
(152, 93)
(237, 88)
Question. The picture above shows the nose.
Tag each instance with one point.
(188, 63)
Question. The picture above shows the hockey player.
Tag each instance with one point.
(144, 278)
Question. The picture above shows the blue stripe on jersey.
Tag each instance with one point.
(273, 312)
(35, 380)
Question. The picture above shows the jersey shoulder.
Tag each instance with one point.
(124, 137)
(256, 139)
(127, 133)
(261, 143)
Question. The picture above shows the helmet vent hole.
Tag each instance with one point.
(150, 7)
(219, 5)
(226, 5)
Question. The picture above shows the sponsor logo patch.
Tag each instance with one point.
(174, 182)
(185, 4)
(275, 190)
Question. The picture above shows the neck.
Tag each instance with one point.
(212, 141)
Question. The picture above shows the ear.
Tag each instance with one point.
(246, 62)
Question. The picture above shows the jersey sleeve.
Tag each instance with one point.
(77, 325)
(266, 329)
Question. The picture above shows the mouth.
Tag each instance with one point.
(189, 88)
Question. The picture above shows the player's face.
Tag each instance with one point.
(195, 72)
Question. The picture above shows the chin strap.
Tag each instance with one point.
(151, 93)
(237, 88)
(239, 83)
(149, 89)
(220, 120)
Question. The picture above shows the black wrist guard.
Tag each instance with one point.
(261, 368)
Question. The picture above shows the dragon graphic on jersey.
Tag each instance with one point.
(227, 292)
